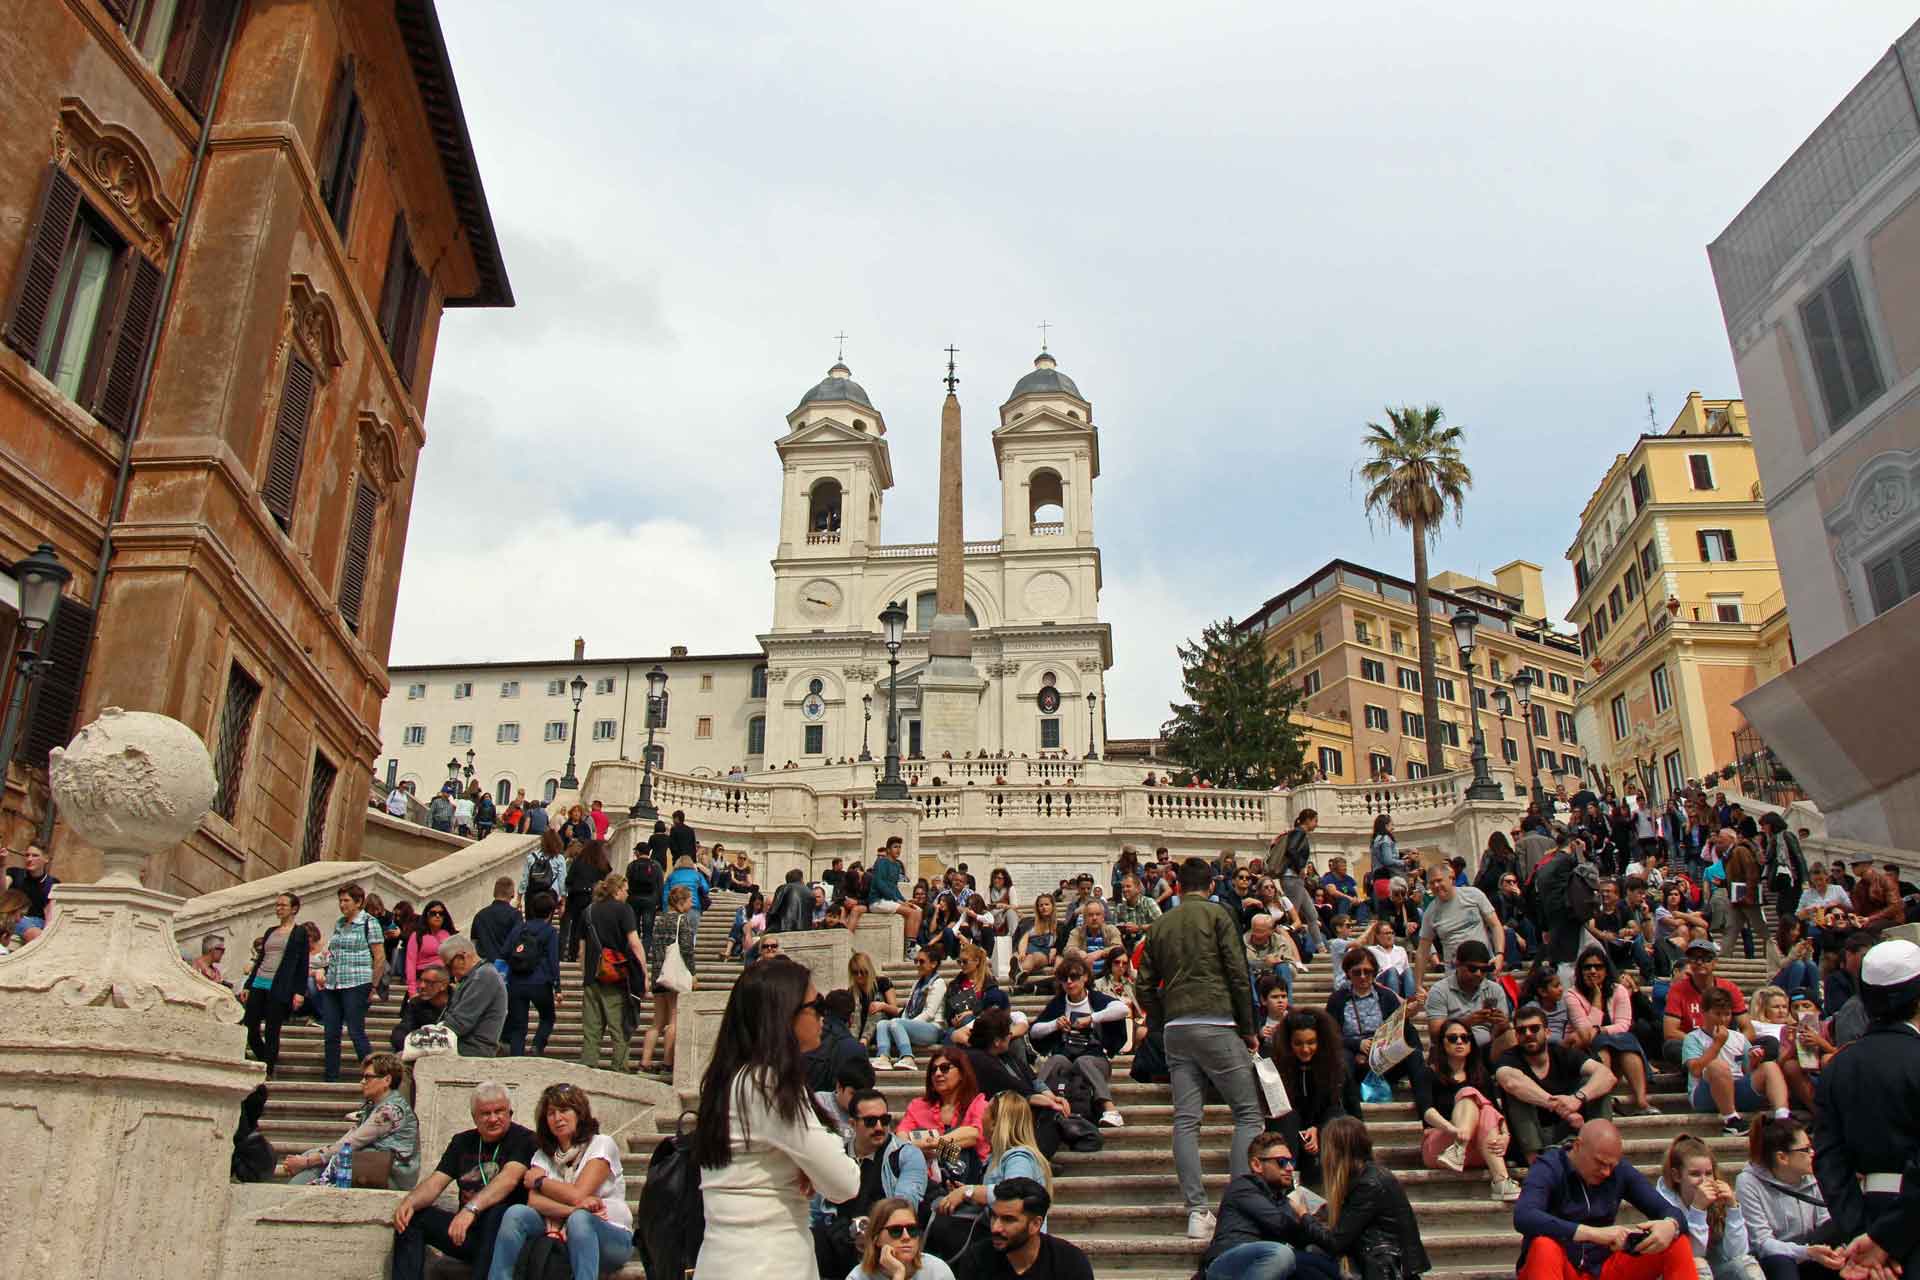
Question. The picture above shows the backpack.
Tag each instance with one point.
(483, 811)
(539, 874)
(672, 1221)
(523, 953)
(1582, 891)
(543, 1258)
(643, 882)
(1081, 1106)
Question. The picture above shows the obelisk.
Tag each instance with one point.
(950, 688)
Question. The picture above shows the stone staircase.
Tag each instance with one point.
(1122, 1204)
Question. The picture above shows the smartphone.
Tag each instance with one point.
(1635, 1239)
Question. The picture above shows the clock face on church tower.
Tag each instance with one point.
(819, 599)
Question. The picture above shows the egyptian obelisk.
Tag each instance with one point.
(950, 687)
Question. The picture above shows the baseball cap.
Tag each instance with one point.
(1708, 945)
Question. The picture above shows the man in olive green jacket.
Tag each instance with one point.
(1193, 986)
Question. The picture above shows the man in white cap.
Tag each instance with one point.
(1867, 1151)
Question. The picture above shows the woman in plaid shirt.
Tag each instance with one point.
(358, 959)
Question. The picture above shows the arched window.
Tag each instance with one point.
(823, 507)
(923, 610)
(1046, 502)
(503, 792)
(551, 790)
(757, 736)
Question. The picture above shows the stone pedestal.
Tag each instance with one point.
(825, 953)
(122, 1070)
(699, 1025)
(950, 692)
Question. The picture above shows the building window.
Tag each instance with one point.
(509, 688)
(1700, 468)
(757, 736)
(1330, 762)
(550, 790)
(1310, 683)
(507, 734)
(1050, 735)
(1725, 608)
(1840, 347)
(706, 682)
(1557, 683)
(1600, 627)
(1570, 765)
(556, 731)
(703, 727)
(319, 796)
(339, 155)
(1450, 733)
(414, 735)
(602, 685)
(415, 692)
(1443, 687)
(1493, 668)
(1415, 770)
(1509, 750)
(1563, 723)
(236, 728)
(1378, 720)
(182, 39)
(1539, 720)
(1548, 760)
(1621, 722)
(1716, 545)
(281, 485)
(1374, 670)
(556, 688)
(1409, 679)
(1613, 605)
(1480, 698)
(1894, 576)
(1578, 686)
(461, 735)
(1638, 484)
(358, 559)
(913, 738)
(1586, 641)
(1379, 766)
(1319, 644)
(1662, 690)
(658, 753)
(1676, 774)
(503, 792)
(757, 683)
(816, 740)
(1631, 583)
(1399, 642)
(603, 730)
(1413, 724)
(924, 606)
(1649, 561)
(403, 302)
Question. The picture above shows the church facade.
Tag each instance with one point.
(1031, 680)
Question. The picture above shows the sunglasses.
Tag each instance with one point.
(901, 1230)
(1535, 1030)
(1362, 971)
(1466, 967)
(880, 1121)
(1593, 968)
(941, 1068)
(1456, 1038)
(1278, 1162)
(818, 1005)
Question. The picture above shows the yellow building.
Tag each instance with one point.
(1679, 609)
(1347, 633)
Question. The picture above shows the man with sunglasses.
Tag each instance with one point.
(1265, 1225)
(889, 1166)
(1469, 994)
(1552, 1090)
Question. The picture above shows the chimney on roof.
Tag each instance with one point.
(579, 648)
(677, 651)
(1521, 580)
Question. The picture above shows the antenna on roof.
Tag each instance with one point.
(1652, 421)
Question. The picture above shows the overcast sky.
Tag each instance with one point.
(1250, 226)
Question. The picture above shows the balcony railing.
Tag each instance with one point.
(823, 537)
(1049, 528)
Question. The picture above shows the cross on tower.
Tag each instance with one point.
(1043, 326)
(841, 338)
(952, 381)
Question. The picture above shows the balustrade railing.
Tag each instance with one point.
(1202, 804)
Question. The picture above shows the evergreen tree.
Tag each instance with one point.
(1236, 730)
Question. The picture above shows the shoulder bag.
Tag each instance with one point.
(674, 974)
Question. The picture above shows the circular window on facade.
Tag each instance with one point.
(816, 686)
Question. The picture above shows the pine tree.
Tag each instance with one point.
(1236, 729)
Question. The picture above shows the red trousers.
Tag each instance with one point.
(1546, 1260)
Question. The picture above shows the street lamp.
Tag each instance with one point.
(568, 781)
(866, 703)
(1093, 744)
(1523, 688)
(1483, 786)
(656, 707)
(41, 577)
(469, 764)
(893, 626)
(453, 769)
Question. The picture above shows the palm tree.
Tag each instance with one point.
(1415, 477)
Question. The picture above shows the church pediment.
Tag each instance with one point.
(828, 434)
(1046, 425)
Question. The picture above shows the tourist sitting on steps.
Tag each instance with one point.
(1015, 1153)
(890, 1167)
(1081, 1030)
(1368, 1216)
(1552, 1091)
(1789, 1228)
(1017, 1243)
(383, 1122)
(575, 1186)
(1728, 1074)
(919, 1022)
(1319, 1088)
(1465, 1126)
(477, 1009)
(427, 1007)
(1266, 1230)
(1690, 1182)
(893, 1247)
(486, 1165)
(1567, 1212)
(1358, 1010)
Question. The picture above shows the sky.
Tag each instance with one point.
(1249, 228)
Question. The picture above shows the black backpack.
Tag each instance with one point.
(539, 875)
(643, 882)
(672, 1217)
(544, 1258)
(523, 953)
(1079, 1129)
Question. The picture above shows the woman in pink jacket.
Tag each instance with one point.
(423, 947)
(1603, 1000)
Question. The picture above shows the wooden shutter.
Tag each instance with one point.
(56, 694)
(413, 320)
(117, 10)
(1726, 537)
(1700, 538)
(193, 56)
(40, 272)
(353, 571)
(395, 284)
(139, 312)
(327, 155)
(354, 142)
(282, 482)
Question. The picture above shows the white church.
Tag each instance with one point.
(1023, 673)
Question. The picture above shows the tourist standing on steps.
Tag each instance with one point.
(277, 986)
(586, 867)
(677, 930)
(533, 983)
(614, 974)
(660, 846)
(1294, 855)
(763, 1142)
(1193, 987)
(357, 958)
(682, 841)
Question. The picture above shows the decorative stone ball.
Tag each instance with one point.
(132, 782)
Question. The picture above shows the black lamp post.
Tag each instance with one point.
(866, 703)
(1523, 689)
(568, 781)
(41, 577)
(453, 769)
(1093, 743)
(893, 626)
(468, 768)
(1505, 703)
(656, 704)
(1483, 787)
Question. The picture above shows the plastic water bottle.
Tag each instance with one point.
(343, 1166)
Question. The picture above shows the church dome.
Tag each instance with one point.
(837, 385)
(1045, 378)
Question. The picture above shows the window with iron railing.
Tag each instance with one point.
(236, 730)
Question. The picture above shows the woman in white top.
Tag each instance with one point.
(574, 1183)
(1396, 974)
(763, 1143)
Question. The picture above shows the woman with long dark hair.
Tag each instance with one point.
(1603, 1003)
(587, 866)
(1313, 1070)
(277, 985)
(1367, 1209)
(763, 1143)
(1465, 1126)
(434, 926)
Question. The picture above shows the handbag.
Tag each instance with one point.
(672, 1217)
(1272, 1090)
(543, 1258)
(1374, 1088)
(674, 974)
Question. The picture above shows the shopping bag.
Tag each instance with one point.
(1271, 1089)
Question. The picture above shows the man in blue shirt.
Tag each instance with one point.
(883, 889)
(1567, 1209)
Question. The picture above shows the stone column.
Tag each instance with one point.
(698, 1017)
(122, 1069)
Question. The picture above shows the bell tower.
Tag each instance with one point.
(1048, 454)
(835, 471)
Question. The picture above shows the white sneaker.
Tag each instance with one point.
(1506, 1190)
(903, 1064)
(877, 1063)
(1455, 1157)
(1200, 1225)
(1111, 1118)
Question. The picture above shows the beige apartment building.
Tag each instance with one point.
(1348, 634)
(1819, 280)
(1679, 607)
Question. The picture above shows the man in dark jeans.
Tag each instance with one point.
(487, 1163)
(681, 840)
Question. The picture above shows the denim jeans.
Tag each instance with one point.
(344, 1007)
(1198, 1055)
(1799, 977)
(896, 1037)
(1255, 1260)
(1398, 981)
(520, 998)
(1279, 969)
(594, 1245)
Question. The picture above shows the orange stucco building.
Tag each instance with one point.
(227, 232)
